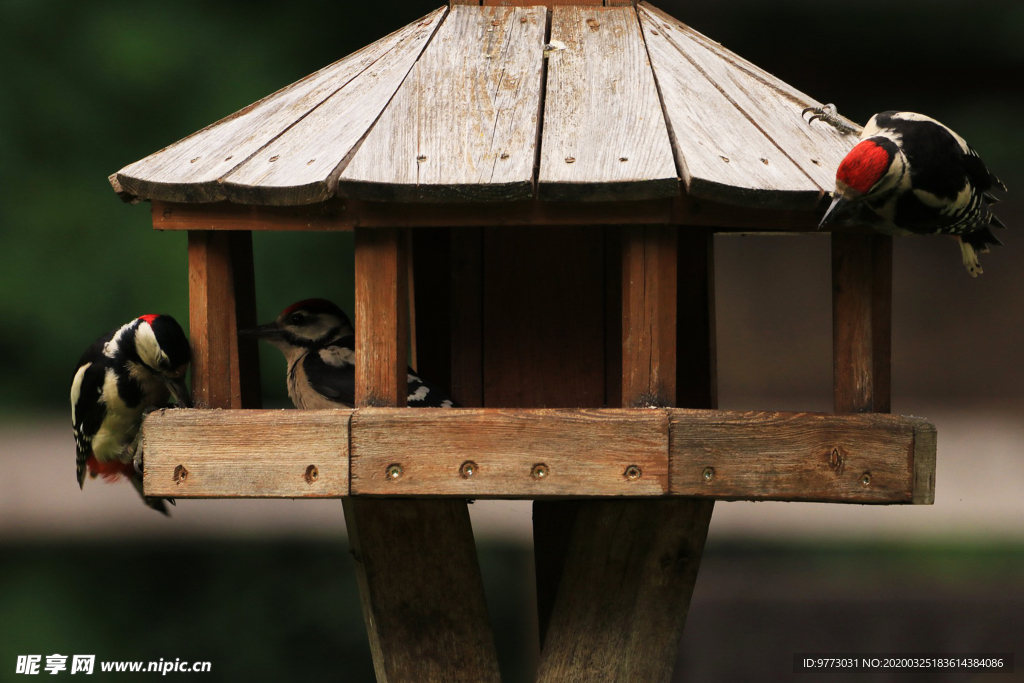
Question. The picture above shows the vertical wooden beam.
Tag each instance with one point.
(631, 565)
(222, 297)
(861, 322)
(422, 593)
(466, 322)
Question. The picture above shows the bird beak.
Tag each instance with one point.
(176, 385)
(839, 213)
(270, 332)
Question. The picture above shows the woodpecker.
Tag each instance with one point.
(318, 343)
(126, 373)
(910, 174)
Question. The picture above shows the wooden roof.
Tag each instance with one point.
(472, 104)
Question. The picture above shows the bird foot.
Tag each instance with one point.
(830, 115)
(135, 449)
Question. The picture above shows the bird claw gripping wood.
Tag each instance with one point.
(135, 449)
(830, 115)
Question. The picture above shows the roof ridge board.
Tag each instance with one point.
(209, 190)
(723, 169)
(316, 188)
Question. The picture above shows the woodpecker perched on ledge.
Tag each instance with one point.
(127, 372)
(912, 175)
(318, 342)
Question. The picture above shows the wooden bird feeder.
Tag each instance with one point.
(557, 174)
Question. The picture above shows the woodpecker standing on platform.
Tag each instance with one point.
(912, 175)
(318, 343)
(126, 373)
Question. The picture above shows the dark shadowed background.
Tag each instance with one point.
(264, 589)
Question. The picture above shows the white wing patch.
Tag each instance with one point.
(419, 394)
(337, 356)
(76, 390)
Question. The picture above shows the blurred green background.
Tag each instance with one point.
(89, 87)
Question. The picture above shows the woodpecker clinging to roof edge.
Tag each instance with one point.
(128, 371)
(318, 343)
(910, 174)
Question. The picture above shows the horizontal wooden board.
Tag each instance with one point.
(246, 453)
(722, 153)
(191, 169)
(346, 214)
(586, 453)
(464, 124)
(604, 133)
(856, 458)
(526, 453)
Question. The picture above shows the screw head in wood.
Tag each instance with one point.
(468, 469)
(633, 473)
(539, 471)
(709, 474)
(865, 479)
(393, 472)
(312, 474)
(180, 474)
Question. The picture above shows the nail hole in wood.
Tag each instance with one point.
(180, 474)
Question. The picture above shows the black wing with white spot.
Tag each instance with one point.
(87, 408)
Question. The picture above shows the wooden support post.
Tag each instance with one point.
(422, 593)
(631, 565)
(861, 322)
(222, 299)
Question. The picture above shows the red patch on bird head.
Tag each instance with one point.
(149, 317)
(311, 305)
(864, 166)
(111, 470)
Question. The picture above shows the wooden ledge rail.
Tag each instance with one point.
(539, 453)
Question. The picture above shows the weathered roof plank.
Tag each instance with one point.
(774, 106)
(604, 130)
(722, 154)
(472, 108)
(302, 165)
(190, 169)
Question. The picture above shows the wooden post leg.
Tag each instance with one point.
(422, 593)
(631, 565)
(222, 298)
(861, 322)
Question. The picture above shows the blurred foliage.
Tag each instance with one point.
(91, 87)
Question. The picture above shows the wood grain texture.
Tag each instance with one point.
(423, 597)
(582, 453)
(631, 566)
(772, 105)
(225, 370)
(543, 318)
(246, 454)
(649, 310)
(722, 154)
(302, 165)
(754, 455)
(382, 317)
(798, 456)
(627, 586)
(604, 132)
(348, 214)
(191, 169)
(861, 322)
(464, 124)
(544, 3)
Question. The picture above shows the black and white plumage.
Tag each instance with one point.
(911, 174)
(126, 372)
(318, 343)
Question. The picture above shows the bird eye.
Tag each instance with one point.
(296, 319)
